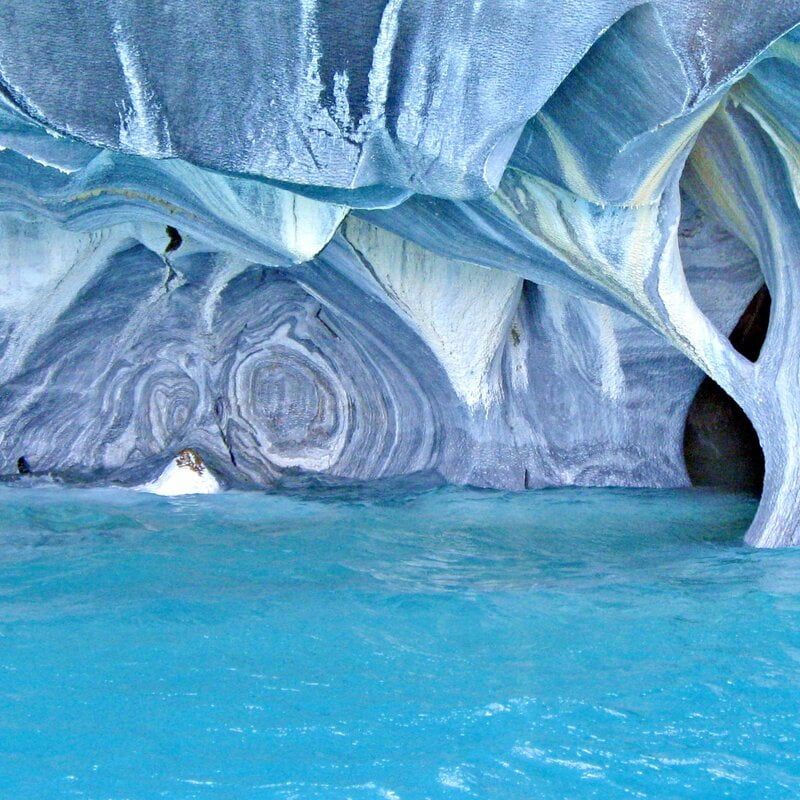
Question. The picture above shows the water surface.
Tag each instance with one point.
(439, 644)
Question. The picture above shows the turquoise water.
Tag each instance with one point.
(442, 644)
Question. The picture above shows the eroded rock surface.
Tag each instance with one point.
(499, 242)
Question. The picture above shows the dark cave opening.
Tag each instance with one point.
(175, 239)
(720, 445)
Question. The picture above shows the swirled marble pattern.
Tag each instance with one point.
(306, 386)
(494, 242)
(317, 369)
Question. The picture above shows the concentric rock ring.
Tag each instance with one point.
(294, 402)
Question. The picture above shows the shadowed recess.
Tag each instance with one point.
(720, 444)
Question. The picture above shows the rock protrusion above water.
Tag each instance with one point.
(187, 473)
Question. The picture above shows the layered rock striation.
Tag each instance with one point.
(501, 243)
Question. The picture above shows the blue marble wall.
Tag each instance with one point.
(496, 242)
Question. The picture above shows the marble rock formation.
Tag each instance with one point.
(185, 474)
(497, 242)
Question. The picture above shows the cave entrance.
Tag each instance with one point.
(720, 445)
